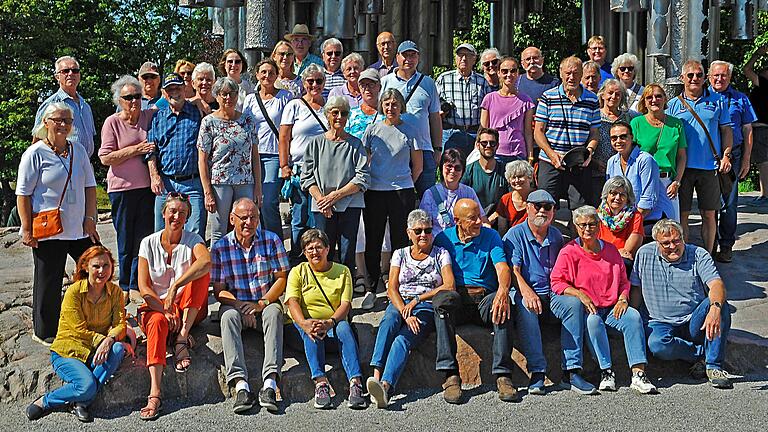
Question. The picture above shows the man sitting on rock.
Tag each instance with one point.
(249, 272)
(482, 297)
(686, 301)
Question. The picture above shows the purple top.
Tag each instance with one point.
(506, 114)
(449, 199)
(343, 90)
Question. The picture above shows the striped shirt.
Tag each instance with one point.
(465, 93)
(248, 274)
(567, 123)
(332, 80)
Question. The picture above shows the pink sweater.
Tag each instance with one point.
(601, 276)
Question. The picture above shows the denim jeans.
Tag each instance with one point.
(629, 324)
(226, 195)
(450, 311)
(270, 190)
(529, 331)
(192, 188)
(570, 311)
(726, 229)
(315, 350)
(666, 181)
(82, 381)
(129, 216)
(395, 340)
(302, 219)
(427, 178)
(688, 341)
(341, 229)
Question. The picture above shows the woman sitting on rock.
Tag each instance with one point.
(88, 348)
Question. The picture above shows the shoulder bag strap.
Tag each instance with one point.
(314, 114)
(701, 122)
(413, 90)
(69, 173)
(327, 300)
(266, 114)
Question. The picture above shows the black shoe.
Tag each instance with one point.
(725, 255)
(268, 399)
(81, 412)
(35, 412)
(243, 401)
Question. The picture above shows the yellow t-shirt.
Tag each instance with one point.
(336, 282)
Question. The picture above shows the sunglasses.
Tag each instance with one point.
(68, 70)
(337, 113)
(488, 144)
(418, 231)
(451, 167)
(66, 121)
(619, 137)
(147, 77)
(177, 195)
(284, 53)
(690, 75)
(508, 71)
(131, 97)
(654, 96)
(235, 61)
(333, 53)
(313, 81)
(231, 94)
(490, 63)
(545, 206)
(626, 68)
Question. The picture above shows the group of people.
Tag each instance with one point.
(438, 174)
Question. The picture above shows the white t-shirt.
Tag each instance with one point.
(161, 273)
(42, 175)
(305, 126)
(267, 139)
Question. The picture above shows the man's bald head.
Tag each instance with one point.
(465, 207)
(469, 221)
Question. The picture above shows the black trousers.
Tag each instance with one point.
(50, 259)
(381, 206)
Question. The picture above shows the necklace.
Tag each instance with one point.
(654, 121)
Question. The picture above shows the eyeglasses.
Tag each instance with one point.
(418, 231)
(626, 68)
(246, 218)
(590, 225)
(545, 206)
(333, 53)
(177, 195)
(68, 70)
(690, 75)
(671, 243)
(66, 121)
(284, 53)
(619, 137)
(234, 61)
(494, 62)
(339, 113)
(131, 97)
(488, 144)
(465, 55)
(452, 167)
(147, 77)
(228, 94)
(313, 81)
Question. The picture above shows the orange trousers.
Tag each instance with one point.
(155, 325)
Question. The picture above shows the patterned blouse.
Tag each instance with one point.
(228, 144)
(419, 277)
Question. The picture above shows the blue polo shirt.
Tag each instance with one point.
(175, 138)
(534, 259)
(567, 123)
(423, 102)
(741, 112)
(673, 290)
(474, 262)
(713, 112)
(83, 128)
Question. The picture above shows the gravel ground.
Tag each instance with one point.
(680, 406)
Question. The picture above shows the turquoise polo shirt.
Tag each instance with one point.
(713, 112)
(474, 262)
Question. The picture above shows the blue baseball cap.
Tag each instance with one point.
(172, 79)
(540, 196)
(407, 46)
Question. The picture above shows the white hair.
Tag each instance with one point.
(41, 130)
(311, 70)
(62, 59)
(331, 41)
(336, 102)
(419, 217)
(615, 183)
(621, 60)
(117, 87)
(518, 168)
(491, 50)
(223, 84)
(203, 68)
(585, 211)
(722, 63)
(354, 57)
(622, 89)
(666, 226)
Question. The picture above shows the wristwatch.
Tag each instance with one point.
(266, 301)
(717, 304)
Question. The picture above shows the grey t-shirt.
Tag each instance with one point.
(390, 148)
(672, 291)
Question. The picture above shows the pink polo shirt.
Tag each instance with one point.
(116, 134)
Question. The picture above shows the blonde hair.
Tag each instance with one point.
(41, 130)
(648, 90)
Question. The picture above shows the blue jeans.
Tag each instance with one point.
(82, 381)
(341, 229)
(315, 350)
(458, 139)
(726, 229)
(529, 330)
(427, 178)
(129, 216)
(630, 325)
(688, 341)
(192, 188)
(225, 195)
(570, 311)
(270, 190)
(302, 219)
(394, 340)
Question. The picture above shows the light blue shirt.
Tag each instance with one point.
(741, 112)
(534, 259)
(423, 102)
(83, 128)
(643, 174)
(713, 112)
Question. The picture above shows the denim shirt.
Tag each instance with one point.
(643, 173)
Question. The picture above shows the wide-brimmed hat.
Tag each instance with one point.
(575, 157)
(299, 30)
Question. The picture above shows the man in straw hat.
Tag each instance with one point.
(301, 41)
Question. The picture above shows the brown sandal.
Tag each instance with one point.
(152, 410)
(181, 354)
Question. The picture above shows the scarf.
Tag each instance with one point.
(618, 222)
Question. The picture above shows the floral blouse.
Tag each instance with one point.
(228, 144)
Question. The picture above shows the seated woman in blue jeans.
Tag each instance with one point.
(87, 349)
(416, 274)
(319, 296)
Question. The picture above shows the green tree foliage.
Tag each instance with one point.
(108, 37)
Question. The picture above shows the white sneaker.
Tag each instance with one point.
(607, 380)
(642, 384)
(369, 301)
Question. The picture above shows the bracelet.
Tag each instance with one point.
(93, 218)
(623, 300)
(335, 323)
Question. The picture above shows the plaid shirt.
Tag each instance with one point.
(332, 80)
(466, 94)
(567, 123)
(248, 274)
(175, 138)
